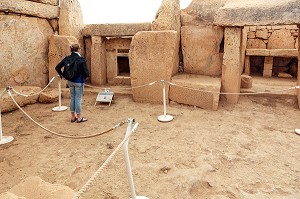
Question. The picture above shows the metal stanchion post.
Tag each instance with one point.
(164, 117)
(59, 107)
(127, 161)
(4, 139)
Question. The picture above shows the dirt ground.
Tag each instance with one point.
(247, 150)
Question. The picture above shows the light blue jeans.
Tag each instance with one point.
(76, 92)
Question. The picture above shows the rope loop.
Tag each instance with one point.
(28, 95)
(62, 135)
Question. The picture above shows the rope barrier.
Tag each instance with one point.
(78, 195)
(3, 92)
(223, 93)
(25, 95)
(62, 135)
(149, 84)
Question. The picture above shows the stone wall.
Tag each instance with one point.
(272, 37)
(283, 38)
(25, 27)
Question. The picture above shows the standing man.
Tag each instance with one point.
(76, 72)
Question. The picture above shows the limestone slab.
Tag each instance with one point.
(30, 8)
(24, 48)
(197, 90)
(257, 12)
(151, 58)
(121, 29)
(201, 49)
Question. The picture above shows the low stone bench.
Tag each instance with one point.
(197, 90)
(268, 54)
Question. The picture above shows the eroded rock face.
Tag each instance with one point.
(36, 188)
(24, 50)
(258, 12)
(201, 50)
(201, 12)
(71, 20)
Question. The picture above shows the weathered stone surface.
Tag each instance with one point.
(168, 18)
(200, 12)
(30, 8)
(272, 52)
(8, 195)
(23, 55)
(256, 43)
(262, 34)
(120, 29)
(49, 96)
(201, 49)
(284, 52)
(284, 75)
(231, 71)
(197, 90)
(257, 12)
(59, 47)
(98, 61)
(281, 39)
(50, 2)
(7, 104)
(246, 81)
(251, 35)
(71, 20)
(42, 189)
(151, 58)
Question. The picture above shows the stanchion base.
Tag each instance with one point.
(141, 197)
(297, 131)
(6, 139)
(60, 108)
(165, 118)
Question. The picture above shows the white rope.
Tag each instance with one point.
(3, 92)
(78, 195)
(26, 95)
(149, 84)
(62, 135)
(222, 93)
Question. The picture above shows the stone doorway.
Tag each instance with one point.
(123, 68)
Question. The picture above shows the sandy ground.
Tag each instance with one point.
(248, 150)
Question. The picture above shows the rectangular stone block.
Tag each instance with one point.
(152, 58)
(30, 8)
(268, 60)
(121, 29)
(258, 52)
(197, 90)
(267, 73)
(284, 52)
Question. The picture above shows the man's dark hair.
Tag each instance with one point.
(75, 47)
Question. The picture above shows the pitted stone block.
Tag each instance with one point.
(197, 90)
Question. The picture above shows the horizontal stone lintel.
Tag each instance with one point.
(30, 8)
(258, 13)
(111, 30)
(272, 52)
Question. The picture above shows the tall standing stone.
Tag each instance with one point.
(71, 20)
(168, 18)
(231, 72)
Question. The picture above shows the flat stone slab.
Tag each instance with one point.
(258, 12)
(197, 90)
(119, 29)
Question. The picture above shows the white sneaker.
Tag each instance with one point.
(297, 131)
